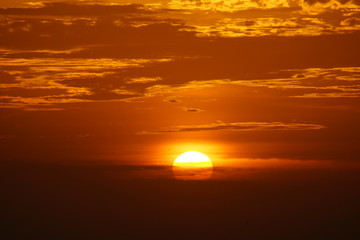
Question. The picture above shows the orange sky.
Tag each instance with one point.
(99, 97)
(139, 82)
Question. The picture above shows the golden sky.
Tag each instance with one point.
(140, 82)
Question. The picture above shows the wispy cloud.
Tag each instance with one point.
(27, 83)
(77, 52)
(237, 126)
(80, 9)
(302, 83)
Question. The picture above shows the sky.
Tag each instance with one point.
(107, 92)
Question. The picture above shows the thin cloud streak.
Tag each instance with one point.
(300, 83)
(42, 82)
(237, 126)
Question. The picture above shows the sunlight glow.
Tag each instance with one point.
(193, 158)
(192, 165)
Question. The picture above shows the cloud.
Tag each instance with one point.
(59, 25)
(235, 5)
(172, 100)
(6, 78)
(29, 83)
(325, 2)
(143, 80)
(90, 52)
(307, 83)
(274, 26)
(191, 109)
(354, 21)
(73, 9)
(62, 33)
(31, 92)
(106, 95)
(49, 81)
(237, 126)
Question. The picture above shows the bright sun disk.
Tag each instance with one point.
(192, 165)
(193, 158)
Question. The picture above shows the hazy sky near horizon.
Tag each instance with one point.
(139, 82)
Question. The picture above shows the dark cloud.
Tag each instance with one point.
(239, 126)
(61, 34)
(73, 9)
(105, 95)
(6, 78)
(191, 109)
(249, 15)
(312, 2)
(31, 92)
(172, 100)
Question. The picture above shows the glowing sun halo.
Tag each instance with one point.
(192, 165)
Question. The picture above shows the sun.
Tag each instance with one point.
(193, 158)
(192, 165)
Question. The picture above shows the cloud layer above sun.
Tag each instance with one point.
(238, 71)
